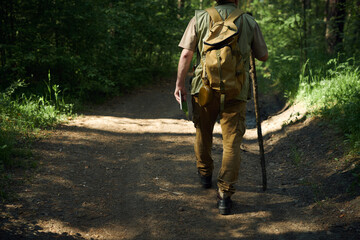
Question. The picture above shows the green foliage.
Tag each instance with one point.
(352, 26)
(93, 48)
(295, 34)
(299, 65)
(20, 118)
(335, 95)
(280, 24)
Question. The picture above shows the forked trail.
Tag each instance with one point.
(126, 170)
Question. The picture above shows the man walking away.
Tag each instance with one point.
(215, 99)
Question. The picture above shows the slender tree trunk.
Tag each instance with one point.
(355, 34)
(306, 4)
(357, 14)
(181, 4)
(10, 19)
(335, 21)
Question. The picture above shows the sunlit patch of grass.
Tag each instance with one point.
(21, 118)
(335, 96)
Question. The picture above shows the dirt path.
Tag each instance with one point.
(126, 170)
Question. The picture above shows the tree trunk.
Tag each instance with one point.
(335, 21)
(306, 4)
(181, 4)
(245, 4)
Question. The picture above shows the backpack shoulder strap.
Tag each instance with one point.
(214, 15)
(234, 15)
(230, 20)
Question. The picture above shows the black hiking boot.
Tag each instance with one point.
(205, 181)
(224, 204)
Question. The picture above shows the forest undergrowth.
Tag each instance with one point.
(333, 94)
(22, 120)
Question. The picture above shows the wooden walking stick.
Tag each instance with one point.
(258, 120)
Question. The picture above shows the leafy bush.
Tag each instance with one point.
(20, 118)
(335, 95)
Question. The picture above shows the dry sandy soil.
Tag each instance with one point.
(126, 170)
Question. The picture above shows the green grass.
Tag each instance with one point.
(335, 95)
(21, 118)
(296, 156)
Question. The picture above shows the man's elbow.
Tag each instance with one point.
(187, 54)
(264, 58)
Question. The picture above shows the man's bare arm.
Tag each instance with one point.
(183, 68)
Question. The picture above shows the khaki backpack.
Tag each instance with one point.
(223, 67)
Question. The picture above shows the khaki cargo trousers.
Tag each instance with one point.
(232, 121)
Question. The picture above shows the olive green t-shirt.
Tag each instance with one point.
(250, 38)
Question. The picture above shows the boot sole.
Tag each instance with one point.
(224, 211)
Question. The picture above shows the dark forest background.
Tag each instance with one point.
(101, 48)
